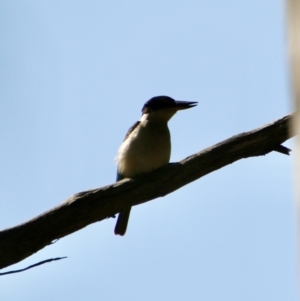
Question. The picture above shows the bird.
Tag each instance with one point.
(147, 145)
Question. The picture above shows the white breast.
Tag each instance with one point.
(147, 148)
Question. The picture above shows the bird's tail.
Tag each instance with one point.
(121, 225)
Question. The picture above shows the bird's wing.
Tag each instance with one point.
(131, 129)
(120, 176)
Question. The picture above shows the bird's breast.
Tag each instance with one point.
(146, 149)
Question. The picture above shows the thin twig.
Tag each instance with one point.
(32, 266)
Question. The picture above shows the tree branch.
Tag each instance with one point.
(94, 205)
(32, 266)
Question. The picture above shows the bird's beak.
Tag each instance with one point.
(182, 105)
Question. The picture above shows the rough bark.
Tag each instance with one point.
(94, 205)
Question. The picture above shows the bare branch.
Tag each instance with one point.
(32, 266)
(94, 205)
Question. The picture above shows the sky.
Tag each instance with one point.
(74, 76)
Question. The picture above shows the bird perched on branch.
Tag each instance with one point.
(147, 145)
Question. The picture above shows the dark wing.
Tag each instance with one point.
(131, 129)
(120, 176)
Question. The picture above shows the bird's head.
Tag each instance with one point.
(164, 107)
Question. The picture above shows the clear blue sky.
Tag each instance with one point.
(74, 76)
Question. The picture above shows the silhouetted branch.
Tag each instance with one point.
(94, 205)
(32, 266)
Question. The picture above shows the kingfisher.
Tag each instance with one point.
(147, 144)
